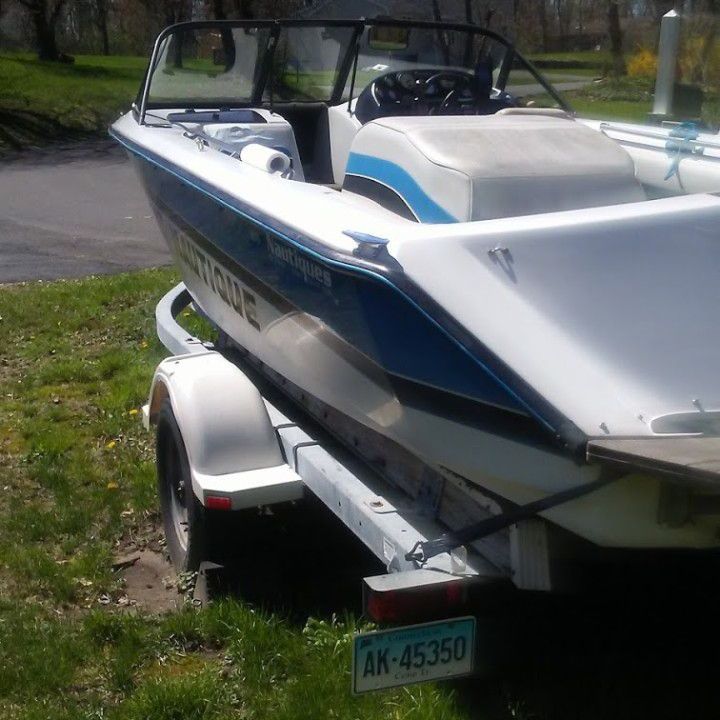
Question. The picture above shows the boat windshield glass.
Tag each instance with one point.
(232, 64)
(197, 65)
(426, 48)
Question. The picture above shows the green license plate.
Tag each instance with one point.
(403, 656)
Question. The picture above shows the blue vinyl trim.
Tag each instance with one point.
(396, 178)
(217, 195)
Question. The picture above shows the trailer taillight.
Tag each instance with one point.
(397, 604)
(218, 502)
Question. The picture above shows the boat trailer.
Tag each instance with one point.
(251, 446)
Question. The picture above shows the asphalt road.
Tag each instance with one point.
(72, 211)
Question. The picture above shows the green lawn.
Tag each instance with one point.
(77, 477)
(40, 101)
(587, 58)
(609, 99)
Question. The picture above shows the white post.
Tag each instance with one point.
(667, 63)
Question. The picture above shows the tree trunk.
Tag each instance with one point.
(469, 12)
(244, 10)
(45, 34)
(615, 33)
(102, 23)
(468, 54)
(176, 11)
(44, 15)
(440, 35)
(563, 13)
(542, 16)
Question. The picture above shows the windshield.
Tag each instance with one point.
(235, 64)
(426, 47)
(196, 65)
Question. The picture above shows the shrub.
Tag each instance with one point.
(642, 64)
(700, 64)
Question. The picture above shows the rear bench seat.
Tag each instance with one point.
(463, 168)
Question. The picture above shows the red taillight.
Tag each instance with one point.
(388, 606)
(217, 502)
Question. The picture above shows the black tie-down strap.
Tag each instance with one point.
(423, 550)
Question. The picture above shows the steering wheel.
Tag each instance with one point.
(460, 93)
(429, 91)
(416, 91)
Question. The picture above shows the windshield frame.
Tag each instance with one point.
(345, 61)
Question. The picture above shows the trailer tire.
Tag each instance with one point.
(184, 518)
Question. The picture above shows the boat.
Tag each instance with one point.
(405, 223)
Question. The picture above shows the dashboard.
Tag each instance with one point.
(428, 91)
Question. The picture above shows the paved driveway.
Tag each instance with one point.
(71, 211)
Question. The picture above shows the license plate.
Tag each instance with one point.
(417, 653)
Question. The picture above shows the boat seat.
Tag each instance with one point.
(462, 168)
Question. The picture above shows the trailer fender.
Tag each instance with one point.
(232, 447)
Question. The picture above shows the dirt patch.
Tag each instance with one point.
(150, 583)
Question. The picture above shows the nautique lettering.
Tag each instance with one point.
(220, 282)
(307, 268)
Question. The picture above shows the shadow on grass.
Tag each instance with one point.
(22, 129)
(647, 645)
(300, 562)
(34, 139)
(644, 645)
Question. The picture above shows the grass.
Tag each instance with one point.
(588, 58)
(41, 100)
(629, 99)
(614, 99)
(77, 477)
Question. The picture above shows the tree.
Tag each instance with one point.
(101, 19)
(469, 11)
(218, 8)
(564, 15)
(244, 10)
(542, 17)
(442, 39)
(175, 11)
(616, 39)
(45, 15)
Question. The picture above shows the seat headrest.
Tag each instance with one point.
(483, 79)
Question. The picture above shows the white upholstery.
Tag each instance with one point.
(342, 126)
(457, 169)
(275, 132)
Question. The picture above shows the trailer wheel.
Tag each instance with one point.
(183, 516)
